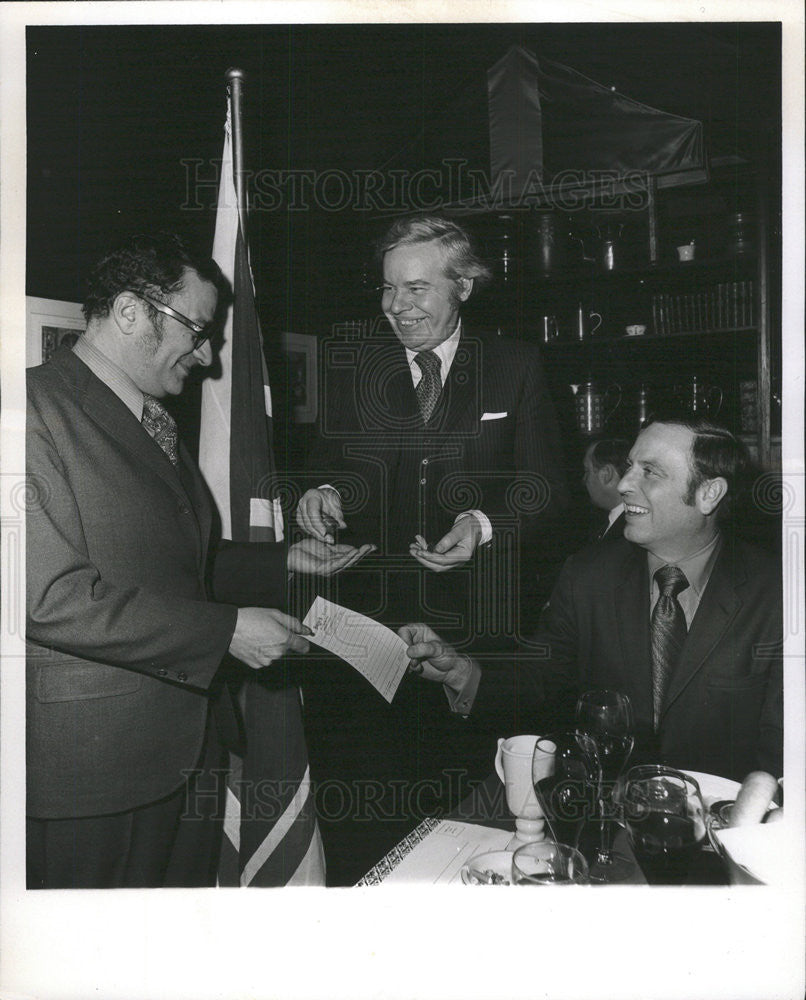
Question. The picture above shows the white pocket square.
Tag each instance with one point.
(494, 416)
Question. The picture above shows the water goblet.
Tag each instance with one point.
(547, 863)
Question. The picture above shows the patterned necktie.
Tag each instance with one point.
(430, 385)
(667, 633)
(161, 426)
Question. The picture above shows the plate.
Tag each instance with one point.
(713, 787)
(497, 863)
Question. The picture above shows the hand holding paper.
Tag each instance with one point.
(371, 648)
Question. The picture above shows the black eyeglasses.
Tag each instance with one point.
(201, 334)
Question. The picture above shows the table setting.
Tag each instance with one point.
(565, 810)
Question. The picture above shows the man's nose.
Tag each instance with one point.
(204, 354)
(625, 482)
(401, 301)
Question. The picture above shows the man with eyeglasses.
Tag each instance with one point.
(127, 705)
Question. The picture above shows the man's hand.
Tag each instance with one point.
(319, 559)
(453, 549)
(263, 635)
(433, 659)
(319, 514)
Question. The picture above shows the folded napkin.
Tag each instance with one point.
(765, 851)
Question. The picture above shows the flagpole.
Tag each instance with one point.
(235, 78)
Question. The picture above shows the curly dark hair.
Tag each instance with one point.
(151, 265)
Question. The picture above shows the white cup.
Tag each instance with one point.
(636, 330)
(513, 764)
(686, 252)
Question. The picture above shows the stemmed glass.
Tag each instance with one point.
(604, 731)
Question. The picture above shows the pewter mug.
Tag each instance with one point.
(698, 396)
(592, 405)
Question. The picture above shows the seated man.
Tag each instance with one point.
(605, 463)
(677, 614)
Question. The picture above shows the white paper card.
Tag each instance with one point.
(439, 857)
(371, 648)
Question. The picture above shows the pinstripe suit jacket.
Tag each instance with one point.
(492, 442)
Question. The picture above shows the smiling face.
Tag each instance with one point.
(419, 299)
(165, 354)
(654, 489)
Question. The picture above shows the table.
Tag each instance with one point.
(486, 806)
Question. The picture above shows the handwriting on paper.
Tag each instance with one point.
(371, 648)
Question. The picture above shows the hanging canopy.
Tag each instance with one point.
(550, 125)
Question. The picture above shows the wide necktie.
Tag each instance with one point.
(668, 632)
(430, 385)
(161, 426)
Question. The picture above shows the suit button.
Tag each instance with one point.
(182, 676)
(184, 509)
(162, 672)
(425, 461)
(422, 482)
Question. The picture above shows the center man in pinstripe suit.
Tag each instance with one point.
(440, 446)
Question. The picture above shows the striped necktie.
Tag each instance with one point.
(668, 633)
(161, 426)
(430, 385)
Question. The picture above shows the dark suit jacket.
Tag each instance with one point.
(723, 709)
(123, 645)
(508, 465)
(399, 477)
(615, 530)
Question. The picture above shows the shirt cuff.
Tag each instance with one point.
(484, 524)
(461, 701)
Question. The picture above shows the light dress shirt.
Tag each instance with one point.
(613, 515)
(697, 567)
(112, 376)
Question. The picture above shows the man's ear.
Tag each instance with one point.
(711, 493)
(465, 287)
(125, 311)
(607, 474)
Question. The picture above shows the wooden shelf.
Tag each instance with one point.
(654, 338)
(665, 270)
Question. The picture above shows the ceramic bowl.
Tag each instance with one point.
(491, 868)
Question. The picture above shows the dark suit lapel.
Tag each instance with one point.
(459, 405)
(631, 596)
(717, 610)
(616, 529)
(116, 420)
(387, 400)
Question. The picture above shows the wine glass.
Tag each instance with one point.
(562, 783)
(547, 863)
(665, 819)
(604, 731)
